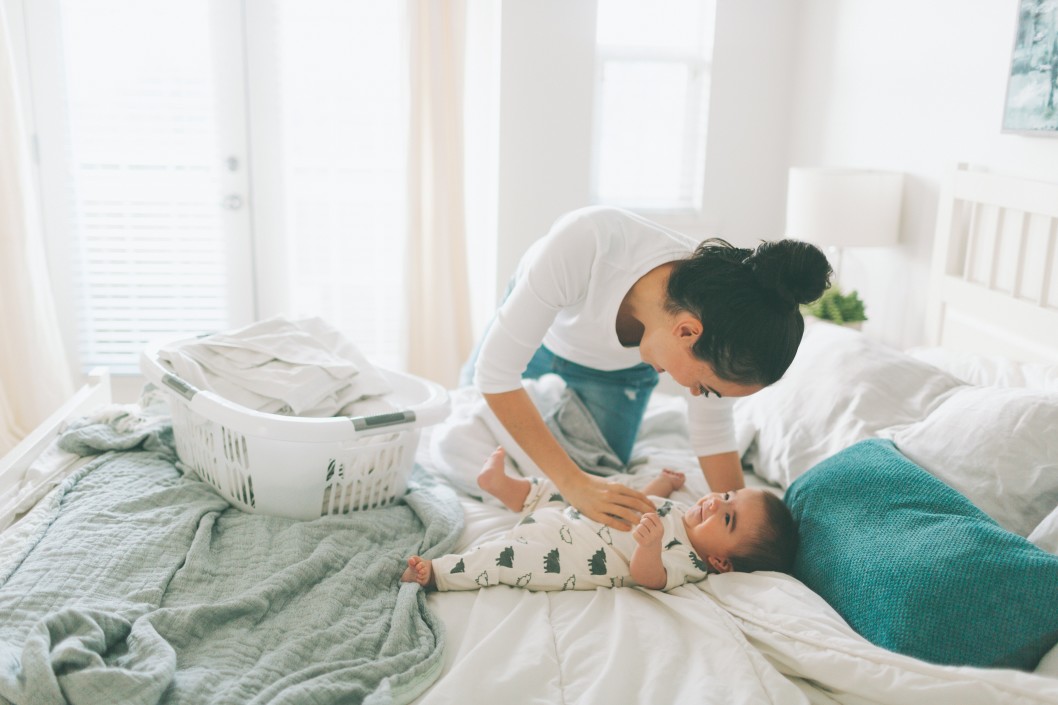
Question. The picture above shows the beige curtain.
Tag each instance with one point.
(34, 374)
(439, 325)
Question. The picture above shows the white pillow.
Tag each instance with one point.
(841, 388)
(1045, 535)
(997, 446)
(988, 369)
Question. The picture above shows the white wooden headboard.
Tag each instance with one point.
(994, 280)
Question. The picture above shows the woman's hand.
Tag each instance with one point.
(605, 501)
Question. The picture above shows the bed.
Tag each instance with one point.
(235, 611)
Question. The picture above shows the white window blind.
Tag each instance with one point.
(154, 120)
(653, 64)
(146, 231)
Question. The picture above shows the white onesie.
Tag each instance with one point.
(555, 547)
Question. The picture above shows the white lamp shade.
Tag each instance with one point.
(844, 207)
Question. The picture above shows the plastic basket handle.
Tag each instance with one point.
(365, 423)
(178, 385)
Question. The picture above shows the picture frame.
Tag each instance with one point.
(1031, 105)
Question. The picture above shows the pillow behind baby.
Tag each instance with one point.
(995, 445)
(914, 567)
(842, 387)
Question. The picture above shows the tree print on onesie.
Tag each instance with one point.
(597, 562)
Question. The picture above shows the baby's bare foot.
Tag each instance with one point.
(420, 571)
(675, 477)
(666, 483)
(492, 474)
(493, 479)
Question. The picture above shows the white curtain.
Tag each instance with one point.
(34, 374)
(439, 322)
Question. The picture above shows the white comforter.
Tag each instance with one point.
(736, 638)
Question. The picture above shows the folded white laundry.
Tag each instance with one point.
(295, 367)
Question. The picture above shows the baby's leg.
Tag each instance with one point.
(665, 484)
(506, 561)
(512, 491)
(420, 571)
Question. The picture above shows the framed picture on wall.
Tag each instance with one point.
(1032, 88)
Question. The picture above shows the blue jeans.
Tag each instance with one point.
(616, 400)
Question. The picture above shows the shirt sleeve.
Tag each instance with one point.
(711, 424)
(555, 273)
(682, 566)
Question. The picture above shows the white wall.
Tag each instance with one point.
(546, 87)
(546, 93)
(911, 86)
(908, 85)
(749, 111)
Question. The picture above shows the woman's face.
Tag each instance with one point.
(670, 350)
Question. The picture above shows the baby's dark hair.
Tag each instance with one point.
(774, 545)
(748, 303)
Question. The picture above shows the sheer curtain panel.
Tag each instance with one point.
(34, 374)
(439, 323)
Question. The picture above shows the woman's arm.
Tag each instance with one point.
(711, 422)
(723, 471)
(609, 503)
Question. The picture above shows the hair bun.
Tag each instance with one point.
(798, 272)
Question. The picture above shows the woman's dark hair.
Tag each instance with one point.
(749, 304)
(774, 546)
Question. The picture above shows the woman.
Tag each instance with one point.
(607, 300)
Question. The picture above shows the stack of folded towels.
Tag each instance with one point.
(300, 367)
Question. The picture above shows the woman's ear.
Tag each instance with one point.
(719, 565)
(688, 328)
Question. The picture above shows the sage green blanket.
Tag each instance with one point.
(147, 587)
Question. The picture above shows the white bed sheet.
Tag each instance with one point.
(737, 638)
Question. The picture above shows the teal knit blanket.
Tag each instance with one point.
(914, 567)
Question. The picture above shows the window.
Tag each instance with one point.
(136, 175)
(209, 162)
(650, 55)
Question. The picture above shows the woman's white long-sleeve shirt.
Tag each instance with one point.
(566, 294)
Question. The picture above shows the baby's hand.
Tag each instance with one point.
(649, 530)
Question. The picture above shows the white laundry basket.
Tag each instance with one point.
(297, 467)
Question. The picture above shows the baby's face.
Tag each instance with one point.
(719, 523)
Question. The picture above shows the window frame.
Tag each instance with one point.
(688, 217)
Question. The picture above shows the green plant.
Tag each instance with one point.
(837, 307)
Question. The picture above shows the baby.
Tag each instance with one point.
(554, 547)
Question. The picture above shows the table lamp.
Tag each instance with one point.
(838, 208)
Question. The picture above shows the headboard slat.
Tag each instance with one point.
(981, 301)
